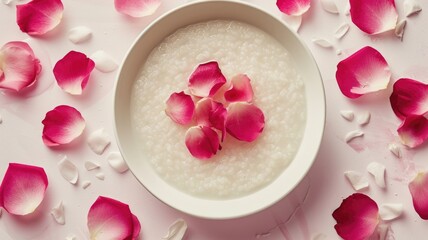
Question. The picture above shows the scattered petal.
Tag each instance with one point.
(137, 8)
(244, 121)
(79, 34)
(68, 170)
(399, 29)
(38, 17)
(180, 108)
(357, 217)
(23, 188)
(411, 7)
(322, 42)
(206, 80)
(378, 171)
(347, 115)
(413, 131)
(72, 72)
(357, 180)
(329, 6)
(240, 89)
(293, 7)
(364, 118)
(86, 184)
(341, 31)
(395, 149)
(353, 134)
(98, 141)
(210, 113)
(347, 9)
(363, 72)
(71, 237)
(104, 62)
(390, 211)
(202, 142)
(18, 66)
(91, 165)
(62, 125)
(101, 176)
(374, 17)
(339, 52)
(6, 2)
(382, 232)
(116, 161)
(319, 236)
(58, 213)
(419, 190)
(409, 97)
(176, 231)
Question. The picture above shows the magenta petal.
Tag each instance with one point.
(137, 8)
(111, 219)
(23, 188)
(419, 190)
(357, 217)
(180, 108)
(202, 142)
(240, 89)
(62, 125)
(374, 17)
(206, 80)
(413, 131)
(72, 72)
(363, 72)
(409, 97)
(211, 114)
(39, 16)
(293, 7)
(244, 121)
(18, 66)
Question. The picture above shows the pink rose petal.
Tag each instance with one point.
(240, 89)
(363, 72)
(409, 97)
(202, 142)
(413, 131)
(62, 125)
(18, 66)
(180, 108)
(72, 72)
(38, 17)
(374, 17)
(244, 121)
(111, 219)
(293, 7)
(211, 114)
(206, 80)
(419, 190)
(137, 8)
(357, 217)
(23, 188)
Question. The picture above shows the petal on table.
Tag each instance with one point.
(206, 80)
(211, 114)
(374, 17)
(419, 190)
(245, 121)
(62, 125)
(137, 8)
(180, 108)
(357, 217)
(136, 226)
(18, 66)
(202, 142)
(293, 7)
(38, 17)
(363, 72)
(240, 89)
(72, 72)
(23, 188)
(409, 97)
(413, 131)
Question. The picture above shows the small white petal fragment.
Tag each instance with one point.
(363, 118)
(319, 236)
(395, 149)
(383, 230)
(293, 22)
(353, 134)
(329, 6)
(411, 7)
(341, 31)
(100, 176)
(322, 42)
(6, 2)
(116, 161)
(378, 171)
(98, 141)
(90, 165)
(347, 9)
(347, 115)
(104, 62)
(390, 211)
(58, 213)
(68, 170)
(86, 184)
(71, 237)
(339, 52)
(357, 180)
(79, 34)
(399, 29)
(1, 120)
(176, 231)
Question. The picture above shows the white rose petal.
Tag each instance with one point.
(100, 176)
(98, 141)
(363, 118)
(390, 211)
(378, 171)
(79, 34)
(357, 180)
(91, 165)
(399, 28)
(341, 30)
(86, 184)
(329, 6)
(322, 42)
(104, 62)
(353, 134)
(411, 7)
(116, 162)
(176, 231)
(347, 115)
(68, 170)
(395, 149)
(58, 213)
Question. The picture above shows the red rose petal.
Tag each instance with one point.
(240, 89)
(23, 188)
(18, 66)
(244, 121)
(419, 190)
(363, 72)
(293, 7)
(72, 72)
(39, 16)
(137, 8)
(357, 217)
(62, 125)
(211, 114)
(111, 219)
(202, 142)
(409, 97)
(413, 131)
(180, 108)
(374, 17)
(206, 80)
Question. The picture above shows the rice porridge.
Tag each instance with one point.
(240, 168)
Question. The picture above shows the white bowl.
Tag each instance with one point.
(139, 164)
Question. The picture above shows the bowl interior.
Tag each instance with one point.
(315, 100)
